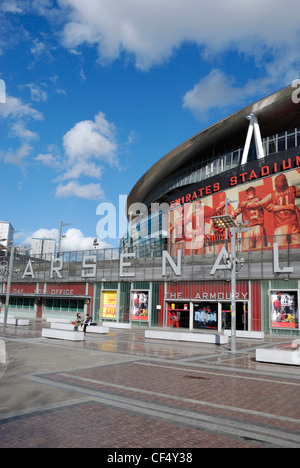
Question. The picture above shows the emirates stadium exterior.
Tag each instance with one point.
(174, 268)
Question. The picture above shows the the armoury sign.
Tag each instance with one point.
(127, 270)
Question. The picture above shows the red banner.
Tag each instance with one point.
(268, 206)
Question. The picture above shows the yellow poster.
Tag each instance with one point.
(108, 309)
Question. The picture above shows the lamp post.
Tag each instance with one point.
(60, 231)
(10, 269)
(233, 290)
(227, 222)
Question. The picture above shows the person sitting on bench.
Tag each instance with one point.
(87, 322)
(78, 322)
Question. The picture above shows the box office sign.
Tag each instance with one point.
(284, 311)
(108, 309)
(139, 303)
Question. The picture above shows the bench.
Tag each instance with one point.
(70, 327)
(246, 334)
(275, 355)
(10, 321)
(62, 326)
(2, 352)
(14, 321)
(22, 322)
(62, 334)
(117, 325)
(186, 336)
(97, 329)
(58, 320)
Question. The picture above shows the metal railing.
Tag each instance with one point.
(147, 265)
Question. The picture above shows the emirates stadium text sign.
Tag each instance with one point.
(259, 169)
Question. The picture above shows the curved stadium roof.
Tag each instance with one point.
(275, 113)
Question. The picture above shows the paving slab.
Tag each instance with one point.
(121, 391)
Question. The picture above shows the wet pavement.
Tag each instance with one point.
(124, 391)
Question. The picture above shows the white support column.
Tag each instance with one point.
(247, 143)
(258, 141)
(253, 128)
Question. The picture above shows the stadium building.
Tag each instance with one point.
(177, 267)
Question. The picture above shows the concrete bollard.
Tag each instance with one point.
(2, 352)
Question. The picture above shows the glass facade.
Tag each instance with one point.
(148, 236)
(64, 305)
(212, 165)
(21, 302)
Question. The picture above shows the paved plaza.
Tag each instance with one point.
(124, 391)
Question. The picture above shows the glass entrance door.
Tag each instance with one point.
(241, 316)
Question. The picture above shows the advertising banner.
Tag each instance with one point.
(178, 315)
(206, 316)
(284, 309)
(108, 309)
(269, 204)
(139, 303)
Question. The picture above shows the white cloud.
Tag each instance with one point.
(214, 90)
(73, 239)
(16, 109)
(151, 31)
(74, 189)
(43, 234)
(19, 130)
(91, 139)
(16, 114)
(18, 157)
(89, 145)
(11, 6)
(82, 168)
(217, 90)
(51, 159)
(48, 160)
(37, 93)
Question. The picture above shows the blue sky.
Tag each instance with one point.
(98, 90)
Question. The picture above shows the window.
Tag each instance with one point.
(21, 302)
(235, 158)
(291, 139)
(272, 147)
(281, 146)
(63, 305)
(73, 306)
(228, 161)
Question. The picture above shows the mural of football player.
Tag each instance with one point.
(221, 209)
(256, 237)
(189, 228)
(282, 203)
